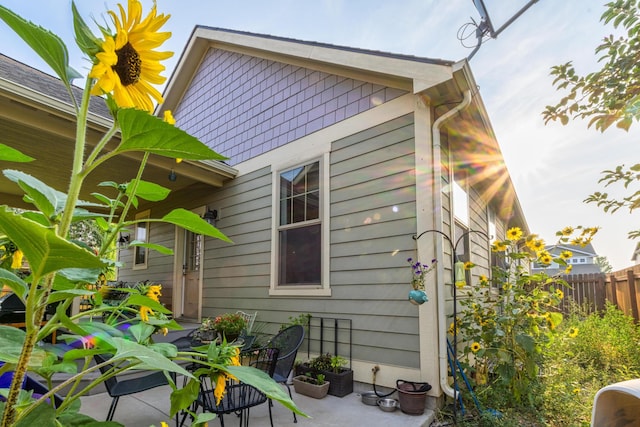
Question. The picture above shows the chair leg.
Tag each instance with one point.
(295, 420)
(112, 408)
(270, 417)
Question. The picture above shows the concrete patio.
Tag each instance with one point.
(151, 407)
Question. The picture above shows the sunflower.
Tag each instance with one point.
(498, 246)
(568, 269)
(573, 332)
(514, 233)
(128, 65)
(559, 293)
(535, 245)
(475, 347)
(544, 258)
(154, 293)
(567, 231)
(565, 255)
(144, 313)
(16, 261)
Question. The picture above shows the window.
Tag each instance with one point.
(300, 229)
(460, 204)
(141, 234)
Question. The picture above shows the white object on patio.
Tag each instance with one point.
(617, 405)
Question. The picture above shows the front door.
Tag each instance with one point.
(192, 265)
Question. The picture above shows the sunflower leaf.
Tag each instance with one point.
(148, 190)
(192, 222)
(46, 44)
(144, 132)
(85, 39)
(9, 154)
(46, 251)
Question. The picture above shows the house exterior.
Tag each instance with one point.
(342, 164)
(583, 260)
(635, 258)
(343, 156)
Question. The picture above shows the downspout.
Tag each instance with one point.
(437, 202)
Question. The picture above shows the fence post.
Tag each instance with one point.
(633, 300)
(611, 291)
(600, 293)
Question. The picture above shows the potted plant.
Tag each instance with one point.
(316, 387)
(227, 325)
(335, 371)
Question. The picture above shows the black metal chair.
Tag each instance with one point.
(122, 387)
(287, 341)
(239, 397)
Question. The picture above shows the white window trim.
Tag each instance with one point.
(145, 265)
(324, 288)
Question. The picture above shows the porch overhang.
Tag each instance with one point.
(44, 127)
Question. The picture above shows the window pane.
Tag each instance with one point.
(313, 205)
(285, 211)
(140, 255)
(298, 209)
(298, 180)
(285, 185)
(313, 176)
(300, 256)
(300, 194)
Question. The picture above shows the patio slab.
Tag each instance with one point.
(151, 407)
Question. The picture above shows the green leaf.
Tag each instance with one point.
(192, 222)
(17, 285)
(45, 251)
(137, 299)
(183, 397)
(80, 420)
(142, 131)
(9, 154)
(127, 350)
(42, 415)
(526, 342)
(11, 340)
(63, 295)
(46, 44)
(48, 200)
(264, 383)
(159, 248)
(85, 39)
(148, 191)
(141, 331)
(80, 275)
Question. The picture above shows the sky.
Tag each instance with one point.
(553, 167)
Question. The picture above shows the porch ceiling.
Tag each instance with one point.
(48, 136)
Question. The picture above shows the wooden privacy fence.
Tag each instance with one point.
(621, 288)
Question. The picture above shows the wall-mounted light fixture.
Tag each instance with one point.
(211, 215)
(123, 240)
(172, 176)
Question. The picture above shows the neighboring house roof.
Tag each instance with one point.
(39, 120)
(586, 252)
(440, 83)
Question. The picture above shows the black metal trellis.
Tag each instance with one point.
(326, 330)
(454, 247)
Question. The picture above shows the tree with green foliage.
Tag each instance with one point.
(604, 264)
(608, 96)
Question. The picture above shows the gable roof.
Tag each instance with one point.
(586, 250)
(440, 82)
(39, 120)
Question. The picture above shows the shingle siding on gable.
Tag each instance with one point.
(243, 106)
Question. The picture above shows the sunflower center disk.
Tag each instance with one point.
(129, 65)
